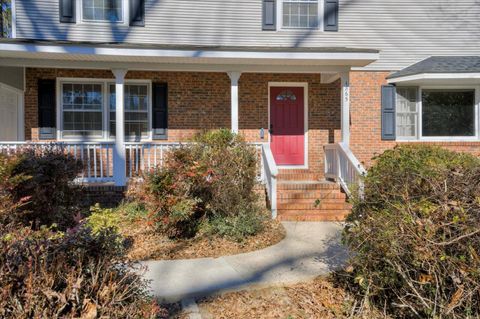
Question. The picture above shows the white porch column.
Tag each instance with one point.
(234, 77)
(119, 158)
(345, 124)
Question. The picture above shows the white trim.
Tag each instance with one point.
(174, 67)
(421, 138)
(105, 109)
(280, 26)
(303, 85)
(123, 22)
(199, 54)
(14, 18)
(436, 76)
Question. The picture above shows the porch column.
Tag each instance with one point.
(345, 117)
(234, 77)
(119, 158)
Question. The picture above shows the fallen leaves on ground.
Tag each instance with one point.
(149, 244)
(318, 299)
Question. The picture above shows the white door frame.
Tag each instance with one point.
(20, 111)
(303, 85)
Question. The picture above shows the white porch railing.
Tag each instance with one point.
(97, 157)
(142, 157)
(269, 177)
(344, 167)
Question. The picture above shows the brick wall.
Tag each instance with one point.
(365, 130)
(200, 101)
(196, 100)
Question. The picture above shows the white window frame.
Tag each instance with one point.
(149, 137)
(105, 109)
(280, 18)
(124, 21)
(421, 138)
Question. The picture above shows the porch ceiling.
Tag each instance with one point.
(150, 57)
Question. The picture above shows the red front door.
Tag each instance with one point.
(287, 125)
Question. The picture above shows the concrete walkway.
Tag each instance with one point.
(309, 250)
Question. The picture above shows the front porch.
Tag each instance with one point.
(76, 108)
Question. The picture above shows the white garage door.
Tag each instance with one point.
(10, 101)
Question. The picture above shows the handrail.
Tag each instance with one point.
(343, 166)
(270, 172)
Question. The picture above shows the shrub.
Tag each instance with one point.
(210, 179)
(43, 183)
(415, 237)
(102, 218)
(46, 274)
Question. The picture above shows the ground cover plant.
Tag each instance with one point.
(415, 236)
(53, 262)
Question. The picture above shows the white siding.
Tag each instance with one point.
(405, 31)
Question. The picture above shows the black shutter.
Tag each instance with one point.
(67, 11)
(331, 15)
(269, 15)
(137, 13)
(46, 103)
(388, 112)
(160, 109)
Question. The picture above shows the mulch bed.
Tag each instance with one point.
(317, 299)
(148, 244)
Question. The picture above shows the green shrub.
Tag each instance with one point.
(415, 237)
(102, 218)
(43, 183)
(210, 179)
(77, 274)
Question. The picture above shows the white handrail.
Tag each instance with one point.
(270, 172)
(343, 166)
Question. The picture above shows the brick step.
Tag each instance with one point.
(311, 206)
(308, 216)
(310, 200)
(298, 177)
(307, 186)
(310, 195)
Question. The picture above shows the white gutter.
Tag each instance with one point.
(30, 50)
(435, 76)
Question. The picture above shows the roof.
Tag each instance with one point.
(125, 45)
(441, 64)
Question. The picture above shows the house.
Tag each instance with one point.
(319, 86)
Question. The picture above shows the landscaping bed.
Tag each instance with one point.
(319, 298)
(150, 244)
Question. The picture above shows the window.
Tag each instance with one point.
(300, 14)
(102, 10)
(436, 113)
(407, 115)
(136, 111)
(448, 112)
(82, 110)
(286, 95)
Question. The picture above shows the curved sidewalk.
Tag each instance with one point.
(309, 250)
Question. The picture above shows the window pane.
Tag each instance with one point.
(82, 109)
(103, 10)
(300, 14)
(448, 112)
(136, 111)
(407, 114)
